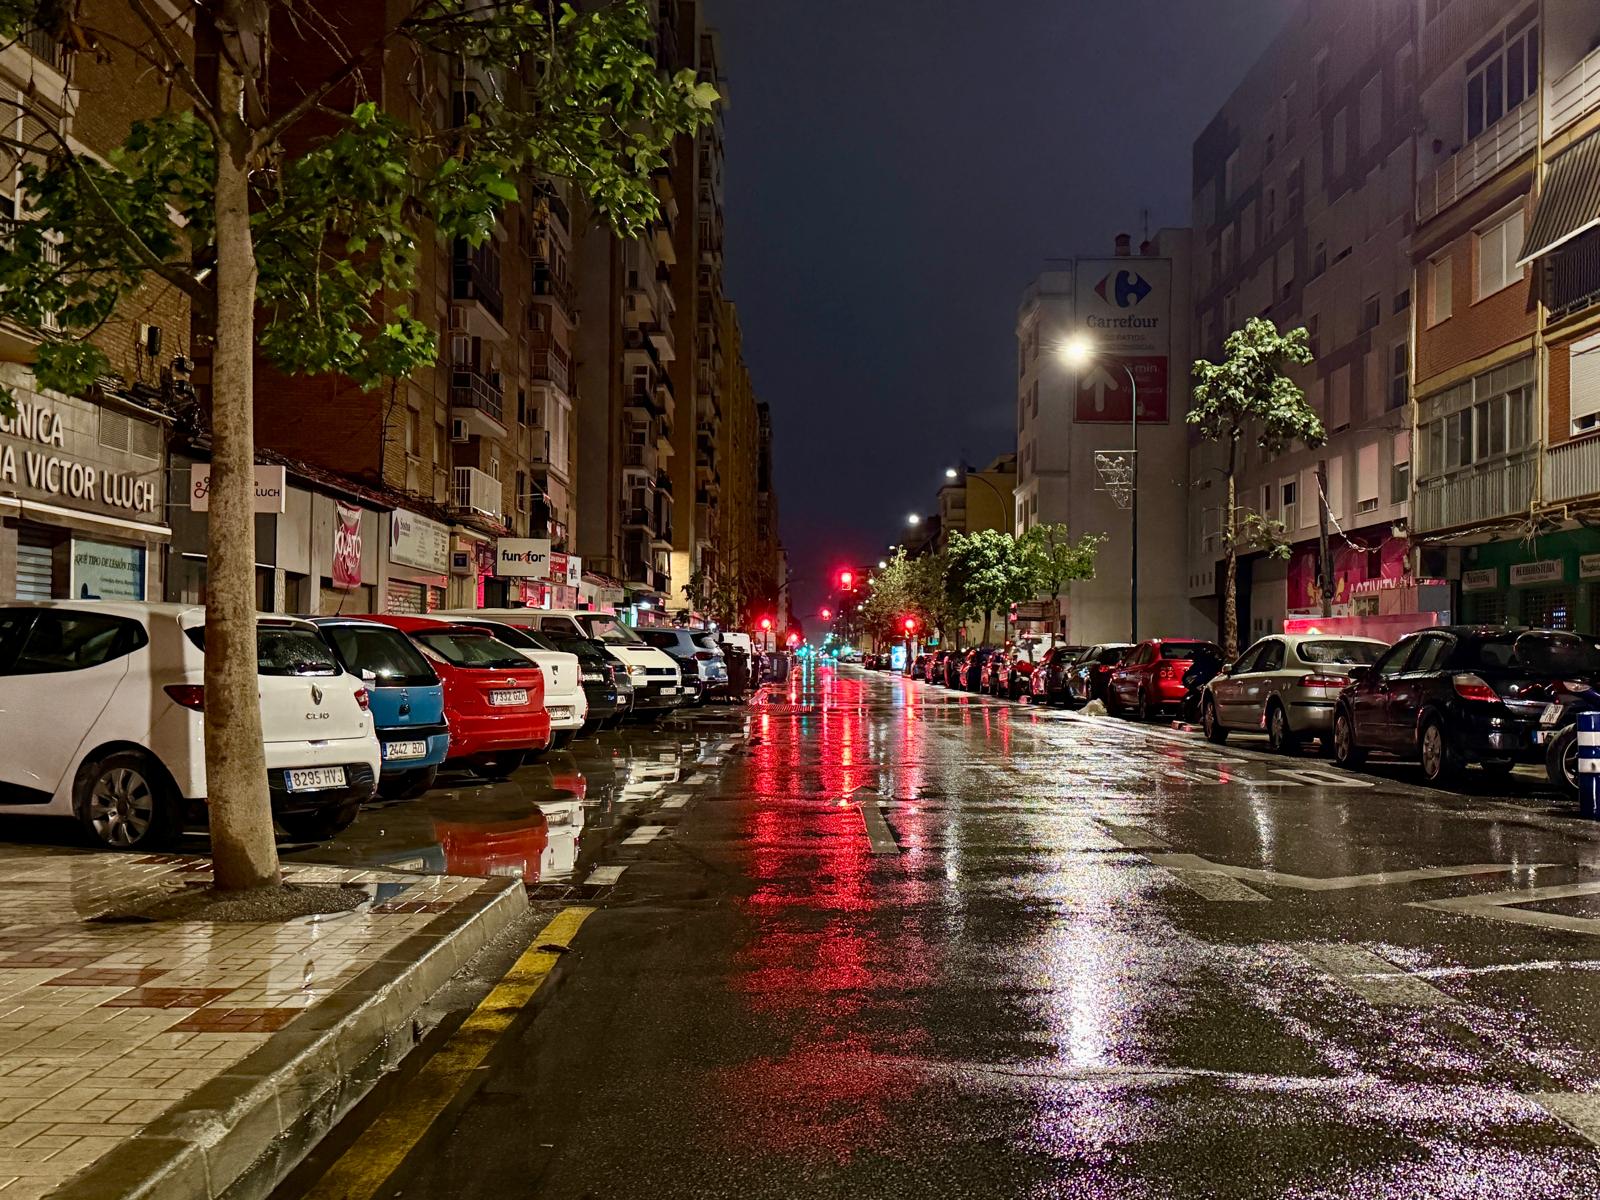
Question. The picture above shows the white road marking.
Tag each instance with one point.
(1213, 885)
(1134, 837)
(713, 760)
(1376, 980)
(605, 876)
(879, 836)
(696, 779)
(1497, 906)
(1578, 1111)
(644, 834)
(676, 801)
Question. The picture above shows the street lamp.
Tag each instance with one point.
(883, 565)
(951, 473)
(1006, 509)
(914, 519)
(1078, 353)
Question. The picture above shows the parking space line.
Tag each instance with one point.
(1376, 980)
(1578, 1111)
(605, 876)
(643, 835)
(675, 801)
(879, 836)
(1213, 885)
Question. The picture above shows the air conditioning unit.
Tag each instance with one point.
(458, 430)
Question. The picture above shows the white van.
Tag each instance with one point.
(657, 682)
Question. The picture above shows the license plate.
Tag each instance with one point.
(512, 696)
(404, 749)
(669, 691)
(1541, 736)
(561, 714)
(316, 779)
(1551, 714)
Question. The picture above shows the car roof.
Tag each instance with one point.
(188, 616)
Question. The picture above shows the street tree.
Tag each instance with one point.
(1054, 559)
(1250, 394)
(928, 595)
(293, 218)
(987, 571)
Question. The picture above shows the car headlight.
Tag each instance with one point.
(636, 672)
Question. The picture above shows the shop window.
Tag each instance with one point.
(1549, 607)
(1484, 608)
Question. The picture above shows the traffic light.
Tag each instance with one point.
(766, 624)
(910, 624)
(847, 580)
(827, 614)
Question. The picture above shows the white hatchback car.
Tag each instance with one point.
(102, 718)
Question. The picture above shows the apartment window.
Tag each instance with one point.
(1338, 137)
(1335, 496)
(522, 407)
(1402, 300)
(1367, 478)
(1400, 470)
(1229, 258)
(1486, 418)
(1319, 260)
(1339, 398)
(1267, 490)
(1584, 373)
(1371, 312)
(1371, 114)
(1501, 76)
(1286, 116)
(1295, 188)
(1441, 283)
(1321, 78)
(1497, 247)
(1291, 501)
(1230, 312)
(1309, 489)
(1230, 177)
(413, 432)
(1285, 277)
(1399, 375)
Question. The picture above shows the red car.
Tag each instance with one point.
(1150, 678)
(493, 696)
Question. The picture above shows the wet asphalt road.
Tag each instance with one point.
(1075, 957)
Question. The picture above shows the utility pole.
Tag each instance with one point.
(1324, 556)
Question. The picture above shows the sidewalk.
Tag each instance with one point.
(179, 1059)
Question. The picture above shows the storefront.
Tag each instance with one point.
(81, 496)
(417, 563)
(1551, 581)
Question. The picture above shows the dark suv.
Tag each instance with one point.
(1460, 694)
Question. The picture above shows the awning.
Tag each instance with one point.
(1569, 205)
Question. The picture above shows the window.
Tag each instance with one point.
(1402, 300)
(1371, 114)
(1320, 76)
(1430, 656)
(1267, 491)
(1501, 76)
(1285, 276)
(387, 653)
(1339, 398)
(1371, 312)
(1295, 188)
(1319, 260)
(1338, 139)
(1367, 478)
(1584, 373)
(1286, 116)
(1336, 505)
(1230, 177)
(1309, 489)
(1271, 656)
(1400, 471)
(1399, 375)
(1228, 246)
(1392, 663)
(1441, 283)
(69, 641)
(1488, 417)
(1498, 247)
(1247, 661)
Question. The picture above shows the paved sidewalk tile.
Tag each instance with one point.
(104, 1026)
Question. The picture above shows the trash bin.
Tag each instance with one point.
(1589, 765)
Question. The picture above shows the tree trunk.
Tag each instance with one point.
(1230, 586)
(244, 852)
(988, 622)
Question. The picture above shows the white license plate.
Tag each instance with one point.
(561, 714)
(404, 749)
(1541, 737)
(669, 691)
(513, 696)
(1551, 714)
(316, 779)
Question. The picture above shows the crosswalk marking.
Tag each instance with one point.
(643, 835)
(1376, 980)
(605, 876)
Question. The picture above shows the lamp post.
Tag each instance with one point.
(1006, 510)
(1078, 352)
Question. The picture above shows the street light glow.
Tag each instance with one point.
(1077, 350)
(913, 519)
(882, 565)
(951, 472)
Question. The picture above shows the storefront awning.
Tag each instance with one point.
(58, 513)
(1569, 205)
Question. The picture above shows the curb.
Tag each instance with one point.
(237, 1136)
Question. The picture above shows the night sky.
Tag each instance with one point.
(897, 171)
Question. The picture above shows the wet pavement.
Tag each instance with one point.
(872, 938)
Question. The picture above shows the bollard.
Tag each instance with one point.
(1589, 765)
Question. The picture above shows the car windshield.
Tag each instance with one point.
(387, 653)
(587, 651)
(471, 649)
(1343, 654)
(1542, 653)
(509, 634)
(1111, 654)
(606, 628)
(1187, 649)
(708, 641)
(285, 650)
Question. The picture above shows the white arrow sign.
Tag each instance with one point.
(1099, 381)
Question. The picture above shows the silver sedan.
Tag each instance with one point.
(1285, 686)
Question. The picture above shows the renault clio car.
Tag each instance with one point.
(102, 718)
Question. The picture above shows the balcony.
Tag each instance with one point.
(1572, 470)
(1575, 275)
(475, 276)
(660, 581)
(477, 491)
(479, 400)
(549, 362)
(637, 518)
(663, 482)
(646, 397)
(1474, 497)
(1575, 94)
(1480, 160)
(557, 288)
(639, 458)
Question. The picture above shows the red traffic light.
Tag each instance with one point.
(827, 614)
(910, 624)
(766, 624)
(847, 579)
(794, 639)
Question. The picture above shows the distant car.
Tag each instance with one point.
(698, 656)
(564, 697)
(102, 718)
(1150, 679)
(407, 701)
(605, 681)
(935, 672)
(1459, 694)
(493, 695)
(1089, 675)
(971, 678)
(1048, 681)
(1285, 685)
(919, 666)
(1011, 675)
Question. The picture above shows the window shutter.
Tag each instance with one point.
(1367, 475)
(1310, 506)
(1336, 488)
(1584, 402)
(1339, 398)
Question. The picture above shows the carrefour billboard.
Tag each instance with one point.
(1124, 309)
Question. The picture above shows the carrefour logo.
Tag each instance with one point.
(1125, 289)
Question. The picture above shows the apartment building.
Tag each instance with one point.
(736, 518)
(1132, 312)
(976, 499)
(1303, 207)
(1508, 366)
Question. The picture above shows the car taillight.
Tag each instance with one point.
(1169, 671)
(189, 695)
(704, 655)
(1025, 668)
(1325, 681)
(1472, 687)
(1102, 669)
(363, 699)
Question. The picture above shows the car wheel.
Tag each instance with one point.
(500, 766)
(1141, 710)
(1561, 761)
(125, 802)
(1212, 724)
(1440, 762)
(320, 825)
(1345, 751)
(1280, 737)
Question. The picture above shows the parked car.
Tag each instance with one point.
(407, 701)
(1048, 682)
(1088, 677)
(606, 685)
(1011, 675)
(1286, 685)
(1149, 679)
(101, 719)
(493, 695)
(698, 656)
(971, 677)
(657, 681)
(919, 666)
(935, 671)
(564, 697)
(1460, 694)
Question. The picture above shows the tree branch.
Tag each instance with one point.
(177, 69)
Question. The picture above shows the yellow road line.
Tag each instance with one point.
(362, 1169)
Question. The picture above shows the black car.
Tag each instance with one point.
(606, 684)
(1088, 674)
(1460, 694)
(970, 677)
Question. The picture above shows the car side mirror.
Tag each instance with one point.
(1226, 671)
(1357, 674)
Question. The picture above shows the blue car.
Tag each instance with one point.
(407, 701)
